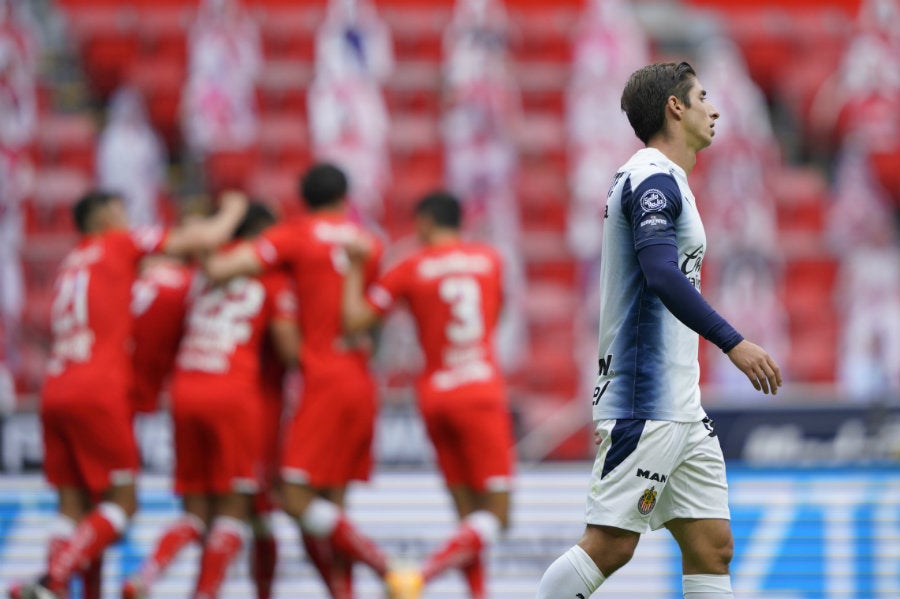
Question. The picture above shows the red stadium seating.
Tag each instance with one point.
(792, 47)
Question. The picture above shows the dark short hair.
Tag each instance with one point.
(88, 204)
(647, 90)
(257, 218)
(323, 184)
(442, 207)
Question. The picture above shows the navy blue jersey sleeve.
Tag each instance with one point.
(659, 264)
(652, 209)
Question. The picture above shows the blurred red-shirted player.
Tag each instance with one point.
(217, 412)
(90, 455)
(454, 291)
(159, 305)
(328, 443)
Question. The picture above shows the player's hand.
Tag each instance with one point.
(233, 201)
(758, 365)
(358, 248)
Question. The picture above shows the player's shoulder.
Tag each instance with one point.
(476, 250)
(275, 279)
(646, 164)
(295, 226)
(112, 245)
(168, 273)
(481, 248)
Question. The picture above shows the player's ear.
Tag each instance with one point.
(675, 107)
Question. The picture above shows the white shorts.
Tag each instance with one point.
(648, 472)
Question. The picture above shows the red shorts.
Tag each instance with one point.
(329, 441)
(217, 443)
(89, 444)
(473, 442)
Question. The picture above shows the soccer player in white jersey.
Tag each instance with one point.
(658, 461)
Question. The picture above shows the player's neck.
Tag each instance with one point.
(440, 237)
(675, 150)
(331, 210)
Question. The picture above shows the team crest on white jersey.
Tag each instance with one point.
(647, 501)
(653, 200)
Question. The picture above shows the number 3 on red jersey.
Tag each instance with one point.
(463, 295)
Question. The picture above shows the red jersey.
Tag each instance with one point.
(90, 317)
(312, 247)
(158, 304)
(454, 292)
(224, 331)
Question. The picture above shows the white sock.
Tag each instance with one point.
(62, 527)
(706, 586)
(231, 525)
(114, 513)
(486, 524)
(573, 574)
(320, 517)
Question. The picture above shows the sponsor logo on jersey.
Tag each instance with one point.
(654, 221)
(647, 501)
(599, 391)
(660, 478)
(653, 200)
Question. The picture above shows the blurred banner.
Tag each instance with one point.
(767, 435)
(809, 434)
(799, 534)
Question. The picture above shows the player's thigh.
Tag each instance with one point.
(631, 471)
(234, 433)
(328, 443)
(60, 465)
(697, 488)
(473, 443)
(191, 450)
(100, 439)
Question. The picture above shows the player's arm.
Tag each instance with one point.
(240, 260)
(659, 263)
(285, 338)
(356, 313)
(209, 233)
(653, 208)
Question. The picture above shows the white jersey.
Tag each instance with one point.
(648, 359)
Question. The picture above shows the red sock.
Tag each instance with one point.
(265, 558)
(457, 552)
(321, 554)
(224, 541)
(92, 579)
(92, 535)
(61, 533)
(352, 543)
(342, 578)
(55, 546)
(474, 574)
(185, 530)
